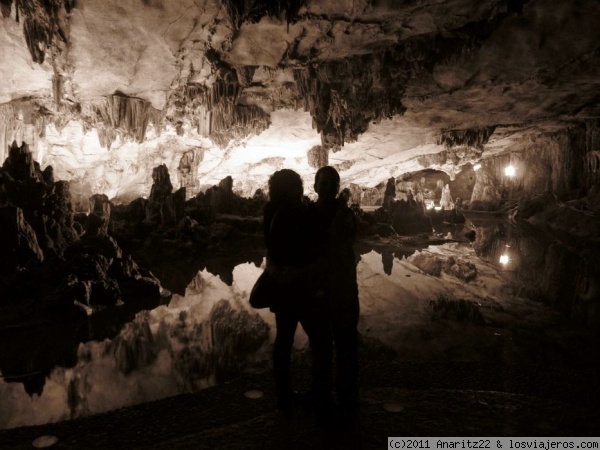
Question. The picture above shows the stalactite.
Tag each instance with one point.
(474, 137)
(568, 164)
(5, 8)
(281, 9)
(21, 121)
(157, 118)
(7, 118)
(106, 136)
(57, 89)
(40, 24)
(343, 97)
(203, 118)
(69, 4)
(593, 166)
(124, 116)
(214, 111)
(245, 74)
(592, 144)
(235, 122)
(255, 10)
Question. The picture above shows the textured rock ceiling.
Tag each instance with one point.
(104, 90)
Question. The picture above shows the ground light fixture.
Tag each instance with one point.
(510, 171)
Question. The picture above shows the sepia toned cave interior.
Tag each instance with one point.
(137, 138)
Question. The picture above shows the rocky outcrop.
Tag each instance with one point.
(318, 157)
(164, 207)
(434, 265)
(187, 171)
(99, 216)
(19, 245)
(50, 265)
(45, 203)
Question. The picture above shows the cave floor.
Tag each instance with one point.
(433, 398)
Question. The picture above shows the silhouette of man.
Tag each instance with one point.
(336, 230)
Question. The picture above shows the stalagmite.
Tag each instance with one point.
(446, 201)
(187, 171)
(318, 157)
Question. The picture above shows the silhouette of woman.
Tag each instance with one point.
(290, 252)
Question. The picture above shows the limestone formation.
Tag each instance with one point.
(19, 243)
(164, 207)
(188, 171)
(112, 98)
(99, 216)
(318, 157)
(46, 262)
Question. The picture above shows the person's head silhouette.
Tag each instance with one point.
(327, 183)
(285, 186)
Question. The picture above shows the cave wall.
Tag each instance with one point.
(562, 162)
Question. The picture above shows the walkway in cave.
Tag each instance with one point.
(435, 399)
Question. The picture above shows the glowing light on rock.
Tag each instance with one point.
(438, 208)
(476, 167)
(510, 171)
(504, 259)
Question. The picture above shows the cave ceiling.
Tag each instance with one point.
(99, 85)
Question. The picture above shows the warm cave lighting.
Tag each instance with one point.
(510, 171)
(504, 259)
(476, 167)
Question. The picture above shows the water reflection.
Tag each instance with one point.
(560, 272)
(554, 270)
(175, 268)
(35, 350)
(205, 337)
(210, 334)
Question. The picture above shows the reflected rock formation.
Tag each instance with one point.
(211, 334)
(552, 264)
(204, 338)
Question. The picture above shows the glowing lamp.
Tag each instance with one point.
(476, 167)
(504, 259)
(510, 171)
(438, 208)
